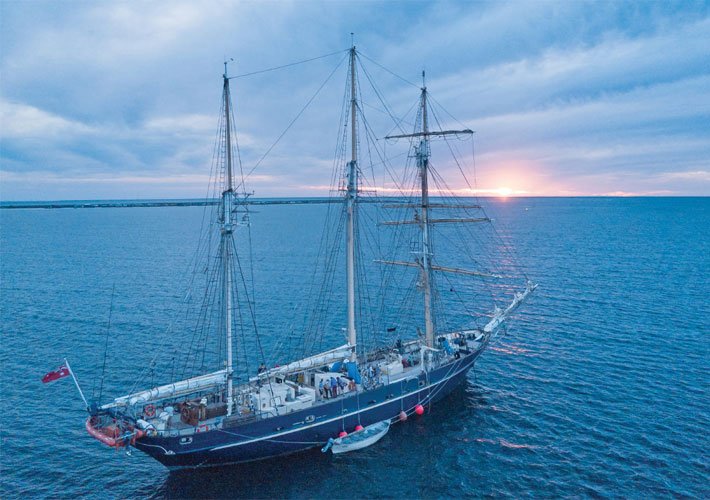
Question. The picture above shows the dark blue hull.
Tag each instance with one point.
(306, 428)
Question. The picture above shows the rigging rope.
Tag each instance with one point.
(287, 65)
(317, 317)
(389, 71)
(108, 329)
(298, 115)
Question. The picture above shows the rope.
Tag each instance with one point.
(389, 71)
(298, 115)
(287, 65)
(108, 329)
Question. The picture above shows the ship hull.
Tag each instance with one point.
(308, 428)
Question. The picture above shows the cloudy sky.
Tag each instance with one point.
(105, 100)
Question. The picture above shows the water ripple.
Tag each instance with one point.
(598, 389)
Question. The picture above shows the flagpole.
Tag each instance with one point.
(76, 382)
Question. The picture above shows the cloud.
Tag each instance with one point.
(566, 97)
(25, 121)
(53, 178)
(582, 72)
(698, 175)
(181, 124)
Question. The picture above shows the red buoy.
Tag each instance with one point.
(342, 434)
(403, 415)
(419, 410)
(358, 427)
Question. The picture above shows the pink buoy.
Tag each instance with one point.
(419, 410)
(342, 434)
(402, 415)
(358, 427)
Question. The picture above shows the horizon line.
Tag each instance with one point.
(22, 203)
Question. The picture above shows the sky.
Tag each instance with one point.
(120, 100)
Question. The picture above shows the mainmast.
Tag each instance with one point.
(227, 222)
(351, 200)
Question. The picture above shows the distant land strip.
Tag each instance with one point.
(159, 203)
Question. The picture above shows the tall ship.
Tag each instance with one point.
(251, 409)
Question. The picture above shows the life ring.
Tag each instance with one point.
(149, 411)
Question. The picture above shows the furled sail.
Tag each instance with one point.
(171, 390)
(324, 358)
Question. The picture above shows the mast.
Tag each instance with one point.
(422, 154)
(423, 164)
(226, 240)
(351, 200)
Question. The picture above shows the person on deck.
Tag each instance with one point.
(320, 388)
(262, 368)
(326, 389)
(333, 387)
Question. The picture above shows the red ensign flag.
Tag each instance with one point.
(62, 371)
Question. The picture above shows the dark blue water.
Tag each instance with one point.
(599, 388)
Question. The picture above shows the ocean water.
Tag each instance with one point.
(599, 387)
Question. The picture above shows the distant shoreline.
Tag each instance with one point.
(154, 203)
(148, 203)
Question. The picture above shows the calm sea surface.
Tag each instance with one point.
(599, 388)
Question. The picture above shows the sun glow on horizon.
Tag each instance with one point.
(503, 192)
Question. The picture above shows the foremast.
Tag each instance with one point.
(422, 152)
(351, 206)
(226, 220)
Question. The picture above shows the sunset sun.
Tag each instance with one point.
(503, 192)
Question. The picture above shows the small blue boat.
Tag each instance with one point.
(358, 439)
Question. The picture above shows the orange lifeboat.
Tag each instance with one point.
(114, 434)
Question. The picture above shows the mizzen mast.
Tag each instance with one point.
(351, 201)
(227, 225)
